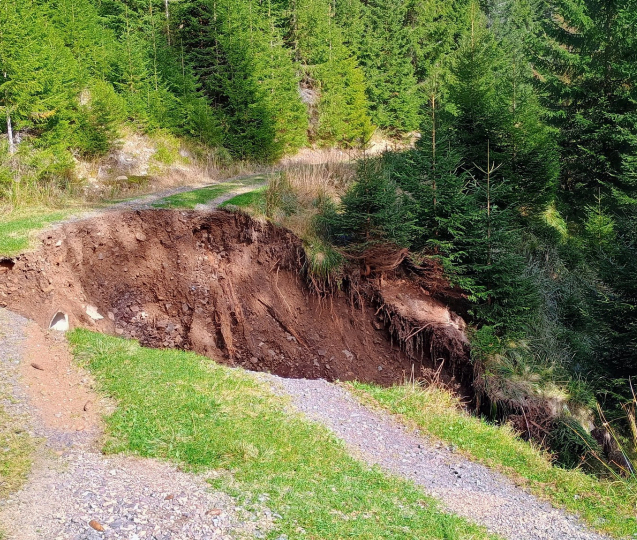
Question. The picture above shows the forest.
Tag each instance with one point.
(522, 184)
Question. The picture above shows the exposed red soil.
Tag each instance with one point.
(223, 285)
(62, 393)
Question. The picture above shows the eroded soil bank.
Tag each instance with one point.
(232, 288)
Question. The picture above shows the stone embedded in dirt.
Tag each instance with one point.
(169, 497)
(214, 512)
(121, 178)
(322, 352)
(92, 312)
(37, 366)
(110, 316)
(140, 236)
(96, 525)
(59, 322)
(348, 354)
(87, 406)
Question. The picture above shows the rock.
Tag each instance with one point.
(37, 366)
(121, 178)
(140, 236)
(110, 316)
(96, 525)
(322, 352)
(254, 360)
(348, 354)
(119, 331)
(92, 312)
(214, 512)
(87, 406)
(169, 497)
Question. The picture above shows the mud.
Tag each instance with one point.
(229, 287)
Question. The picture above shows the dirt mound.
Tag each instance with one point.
(223, 285)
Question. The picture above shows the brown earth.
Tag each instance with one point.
(61, 392)
(229, 287)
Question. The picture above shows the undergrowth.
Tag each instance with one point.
(609, 506)
(179, 406)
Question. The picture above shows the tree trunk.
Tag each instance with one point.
(10, 135)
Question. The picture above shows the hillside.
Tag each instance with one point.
(417, 197)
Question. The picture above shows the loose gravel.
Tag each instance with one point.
(464, 488)
(73, 485)
(74, 490)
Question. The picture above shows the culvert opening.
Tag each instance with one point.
(231, 288)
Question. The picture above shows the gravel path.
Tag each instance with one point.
(464, 488)
(72, 483)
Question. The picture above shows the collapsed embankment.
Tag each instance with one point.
(232, 288)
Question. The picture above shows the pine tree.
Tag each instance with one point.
(38, 74)
(331, 70)
(586, 55)
(386, 61)
(250, 77)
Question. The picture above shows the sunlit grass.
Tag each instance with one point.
(190, 199)
(183, 407)
(17, 230)
(609, 506)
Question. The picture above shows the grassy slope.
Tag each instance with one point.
(16, 230)
(184, 407)
(608, 506)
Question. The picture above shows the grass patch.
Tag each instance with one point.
(190, 199)
(16, 231)
(179, 406)
(609, 506)
(16, 449)
(251, 199)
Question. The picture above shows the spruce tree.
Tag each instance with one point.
(386, 61)
(251, 78)
(38, 75)
(331, 70)
(496, 103)
(586, 54)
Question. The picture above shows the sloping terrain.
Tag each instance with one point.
(223, 285)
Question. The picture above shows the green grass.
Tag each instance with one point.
(16, 231)
(179, 406)
(16, 449)
(190, 199)
(609, 506)
(251, 199)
